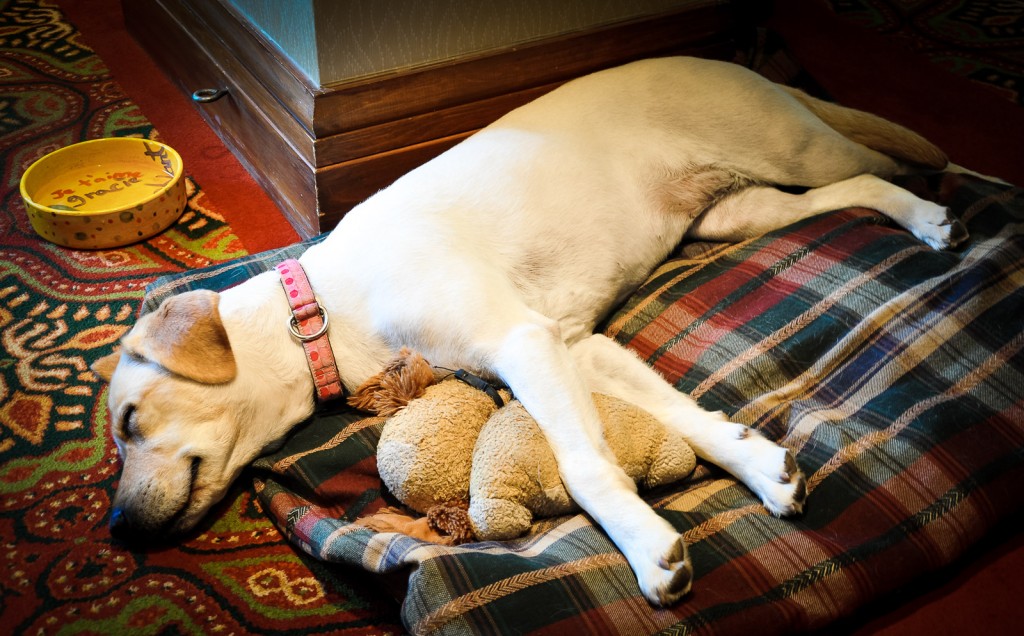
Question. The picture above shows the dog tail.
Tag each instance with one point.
(875, 132)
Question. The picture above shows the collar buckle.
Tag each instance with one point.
(308, 324)
(293, 327)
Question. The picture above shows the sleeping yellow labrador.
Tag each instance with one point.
(500, 256)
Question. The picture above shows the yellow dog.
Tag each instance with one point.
(500, 256)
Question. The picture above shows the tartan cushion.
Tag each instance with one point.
(894, 373)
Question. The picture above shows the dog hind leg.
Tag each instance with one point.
(532, 358)
(769, 470)
(758, 210)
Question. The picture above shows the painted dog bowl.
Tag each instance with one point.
(104, 193)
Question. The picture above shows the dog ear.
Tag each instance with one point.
(185, 335)
(104, 367)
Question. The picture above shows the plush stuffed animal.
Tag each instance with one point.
(483, 472)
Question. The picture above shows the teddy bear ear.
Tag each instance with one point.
(364, 397)
(403, 380)
(403, 383)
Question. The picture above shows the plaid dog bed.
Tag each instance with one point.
(894, 373)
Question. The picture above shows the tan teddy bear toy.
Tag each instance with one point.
(483, 472)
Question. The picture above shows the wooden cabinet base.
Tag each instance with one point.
(320, 150)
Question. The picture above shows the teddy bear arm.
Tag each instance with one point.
(425, 452)
(418, 484)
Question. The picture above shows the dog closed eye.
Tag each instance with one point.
(129, 428)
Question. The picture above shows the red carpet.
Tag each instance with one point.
(60, 569)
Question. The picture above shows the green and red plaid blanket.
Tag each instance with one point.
(894, 372)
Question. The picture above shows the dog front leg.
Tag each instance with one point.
(536, 364)
(765, 467)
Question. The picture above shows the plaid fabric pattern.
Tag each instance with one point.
(893, 371)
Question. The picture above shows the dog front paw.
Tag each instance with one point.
(666, 579)
(788, 494)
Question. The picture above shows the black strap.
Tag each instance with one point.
(477, 382)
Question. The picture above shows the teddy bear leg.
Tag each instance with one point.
(765, 467)
(498, 519)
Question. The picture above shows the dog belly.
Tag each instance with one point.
(579, 286)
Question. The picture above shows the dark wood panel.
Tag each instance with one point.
(264, 151)
(182, 42)
(449, 121)
(361, 103)
(420, 128)
(343, 186)
(223, 30)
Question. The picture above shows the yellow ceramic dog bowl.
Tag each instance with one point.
(104, 193)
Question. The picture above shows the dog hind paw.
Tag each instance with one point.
(941, 230)
(957, 232)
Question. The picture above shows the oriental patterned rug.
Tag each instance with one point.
(60, 571)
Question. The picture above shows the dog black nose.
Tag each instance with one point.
(120, 528)
(133, 532)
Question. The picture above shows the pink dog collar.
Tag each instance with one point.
(308, 324)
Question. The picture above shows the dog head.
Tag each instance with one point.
(183, 417)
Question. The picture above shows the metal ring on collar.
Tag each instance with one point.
(293, 326)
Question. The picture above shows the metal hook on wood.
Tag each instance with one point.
(207, 95)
